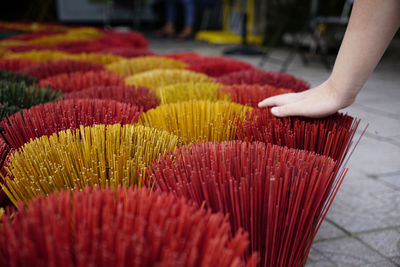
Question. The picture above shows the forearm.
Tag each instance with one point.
(372, 26)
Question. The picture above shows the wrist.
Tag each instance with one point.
(343, 95)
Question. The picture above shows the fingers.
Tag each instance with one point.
(279, 100)
(293, 109)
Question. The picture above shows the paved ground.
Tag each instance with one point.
(362, 227)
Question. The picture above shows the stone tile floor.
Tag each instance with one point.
(362, 227)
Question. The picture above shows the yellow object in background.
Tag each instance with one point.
(197, 121)
(181, 92)
(142, 64)
(89, 156)
(157, 78)
(227, 35)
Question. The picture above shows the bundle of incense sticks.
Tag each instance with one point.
(49, 118)
(14, 64)
(127, 52)
(46, 55)
(71, 35)
(217, 66)
(157, 78)
(32, 35)
(17, 96)
(4, 150)
(11, 76)
(184, 56)
(197, 121)
(142, 64)
(330, 136)
(181, 92)
(89, 156)
(251, 95)
(75, 81)
(139, 96)
(261, 77)
(278, 195)
(126, 227)
(42, 70)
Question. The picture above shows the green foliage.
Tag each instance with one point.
(11, 76)
(15, 96)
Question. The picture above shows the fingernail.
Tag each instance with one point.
(275, 111)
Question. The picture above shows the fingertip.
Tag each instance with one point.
(275, 111)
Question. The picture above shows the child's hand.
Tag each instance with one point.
(317, 102)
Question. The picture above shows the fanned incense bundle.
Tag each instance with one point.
(72, 35)
(17, 96)
(139, 96)
(251, 95)
(49, 118)
(127, 52)
(11, 76)
(46, 55)
(157, 78)
(261, 77)
(143, 64)
(31, 35)
(42, 70)
(89, 156)
(75, 81)
(4, 149)
(217, 66)
(14, 64)
(32, 26)
(40, 55)
(330, 136)
(181, 92)
(18, 48)
(184, 56)
(279, 195)
(197, 121)
(126, 227)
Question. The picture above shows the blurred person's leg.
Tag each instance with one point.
(168, 28)
(189, 9)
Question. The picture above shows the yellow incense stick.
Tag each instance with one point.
(181, 92)
(45, 55)
(142, 64)
(197, 120)
(89, 156)
(157, 78)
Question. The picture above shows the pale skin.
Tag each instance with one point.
(372, 26)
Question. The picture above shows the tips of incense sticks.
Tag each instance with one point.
(261, 77)
(139, 96)
(251, 94)
(181, 92)
(75, 81)
(98, 155)
(126, 227)
(15, 96)
(42, 70)
(11, 76)
(217, 66)
(330, 136)
(50, 118)
(197, 121)
(157, 78)
(142, 64)
(278, 195)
